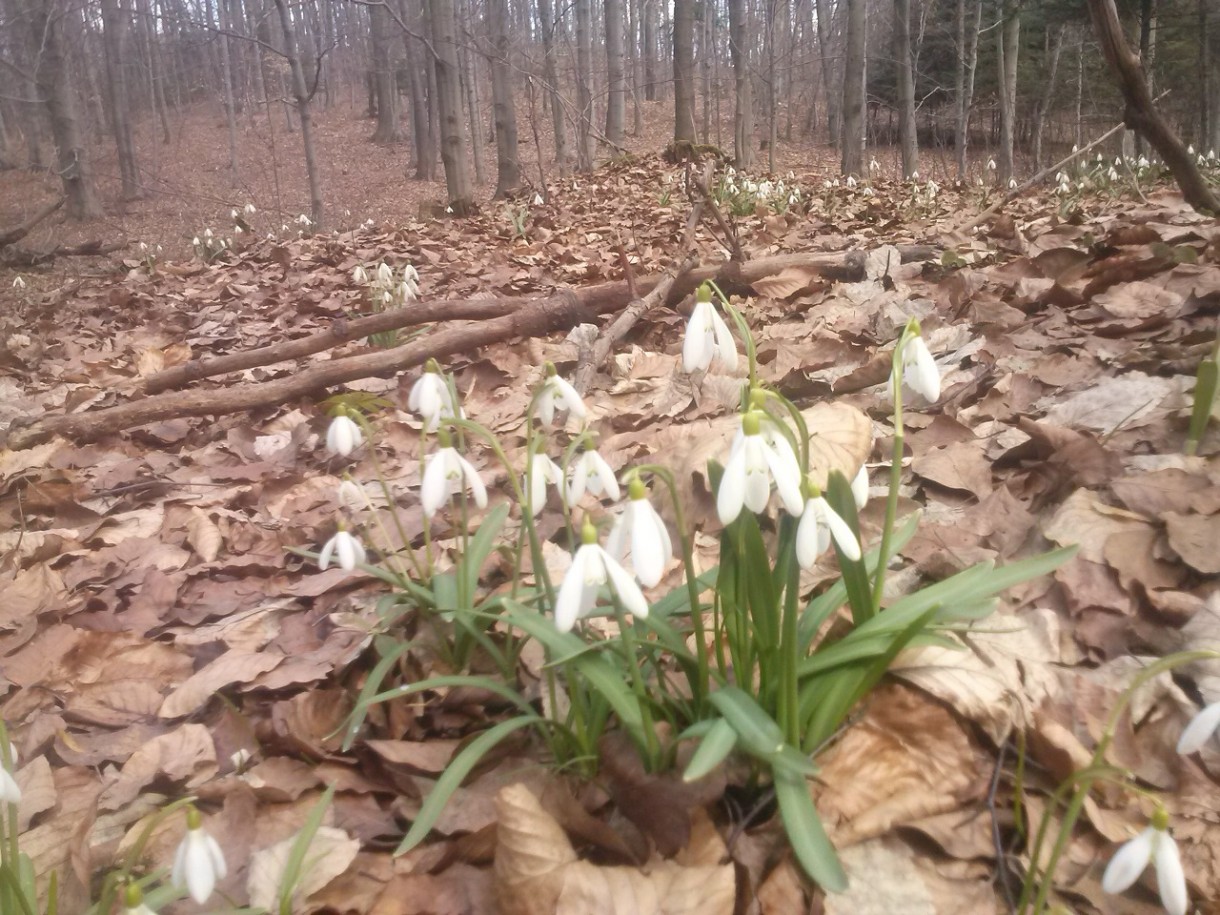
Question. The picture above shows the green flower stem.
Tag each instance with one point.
(651, 748)
(1098, 768)
(789, 643)
(700, 687)
(379, 471)
(891, 499)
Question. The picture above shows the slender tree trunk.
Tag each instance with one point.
(417, 56)
(635, 63)
(300, 92)
(116, 20)
(853, 90)
(385, 82)
(649, 30)
(1210, 42)
(834, 91)
(585, 151)
(474, 106)
(967, 66)
(559, 124)
(684, 70)
(616, 94)
(53, 79)
(1007, 47)
(743, 110)
(226, 62)
(908, 140)
(1048, 95)
(508, 161)
(449, 105)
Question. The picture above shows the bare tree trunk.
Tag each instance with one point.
(301, 93)
(853, 90)
(52, 77)
(967, 65)
(449, 105)
(1141, 113)
(508, 161)
(684, 70)
(616, 95)
(834, 91)
(226, 62)
(385, 83)
(1210, 50)
(585, 151)
(743, 110)
(649, 31)
(559, 124)
(115, 23)
(474, 105)
(1048, 95)
(417, 55)
(635, 63)
(908, 139)
(1008, 46)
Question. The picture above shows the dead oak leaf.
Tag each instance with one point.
(1195, 539)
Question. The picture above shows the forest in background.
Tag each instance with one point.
(463, 85)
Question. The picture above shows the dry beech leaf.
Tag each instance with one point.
(203, 535)
(1085, 520)
(537, 873)
(1195, 539)
(231, 667)
(788, 281)
(840, 438)
(959, 465)
(330, 853)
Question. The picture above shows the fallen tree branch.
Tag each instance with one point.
(559, 312)
(8, 236)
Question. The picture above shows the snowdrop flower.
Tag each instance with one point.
(592, 567)
(791, 175)
(867, 192)
(233, 213)
(385, 274)
(749, 472)
(707, 336)
(538, 201)
(304, 220)
(431, 398)
(446, 473)
(1112, 174)
(542, 470)
(1190, 150)
(557, 393)
(344, 435)
(642, 529)
(360, 275)
(1075, 148)
(351, 495)
(914, 176)
(199, 862)
(249, 210)
(851, 181)
(207, 233)
(794, 198)
(1141, 162)
(1012, 184)
(10, 791)
(1199, 160)
(991, 166)
(873, 165)
(826, 185)
(237, 230)
(933, 188)
(143, 247)
(590, 473)
(133, 902)
(196, 242)
(1201, 729)
(19, 281)
(819, 523)
(919, 371)
(347, 551)
(1211, 155)
(859, 487)
(159, 249)
(1154, 843)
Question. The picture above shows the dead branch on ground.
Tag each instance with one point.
(8, 236)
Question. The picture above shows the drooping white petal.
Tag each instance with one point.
(10, 791)
(345, 549)
(840, 531)
(726, 348)
(732, 492)
(697, 346)
(1129, 862)
(578, 592)
(1170, 880)
(859, 487)
(1200, 730)
(429, 398)
(546, 406)
(920, 371)
(601, 477)
(473, 481)
(757, 477)
(344, 436)
(624, 585)
(542, 471)
(787, 480)
(198, 864)
(811, 537)
(436, 487)
(649, 550)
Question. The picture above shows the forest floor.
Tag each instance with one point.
(159, 637)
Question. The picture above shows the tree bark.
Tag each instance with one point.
(1210, 42)
(684, 70)
(616, 89)
(649, 40)
(115, 24)
(1009, 44)
(834, 91)
(908, 140)
(585, 151)
(508, 160)
(967, 63)
(743, 110)
(1141, 113)
(853, 90)
(1048, 94)
(468, 75)
(53, 79)
(449, 105)
(559, 124)
(301, 92)
(226, 63)
(385, 83)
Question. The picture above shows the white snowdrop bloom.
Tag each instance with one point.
(1142, 162)
(1060, 177)
(1153, 844)
(859, 487)
(873, 165)
(446, 474)
(991, 166)
(19, 282)
(207, 233)
(10, 791)
(707, 337)
(826, 184)
(772, 432)
(360, 275)
(430, 397)
(933, 188)
(143, 247)
(237, 230)
(914, 176)
(867, 192)
(558, 394)
(1012, 184)
(542, 470)
(249, 210)
(1201, 729)
(196, 242)
(159, 249)
(1118, 161)
(1112, 174)
(835, 183)
(538, 201)
(818, 525)
(764, 189)
(919, 371)
(345, 549)
(851, 181)
(343, 436)
(791, 175)
(1199, 160)
(385, 274)
(590, 473)
(304, 220)
(1075, 148)
(640, 529)
(794, 198)
(592, 568)
(1211, 155)
(199, 863)
(1190, 150)
(233, 214)
(749, 472)
(351, 495)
